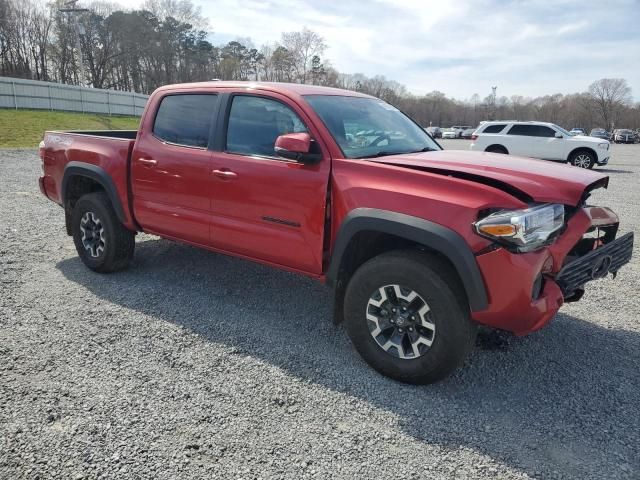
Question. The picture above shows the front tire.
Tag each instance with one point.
(102, 242)
(582, 159)
(407, 316)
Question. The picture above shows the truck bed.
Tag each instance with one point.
(108, 150)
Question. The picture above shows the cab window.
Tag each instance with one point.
(256, 122)
(185, 119)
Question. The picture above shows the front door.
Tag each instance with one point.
(263, 206)
(171, 168)
(523, 139)
(552, 147)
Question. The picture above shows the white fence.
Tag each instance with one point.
(19, 93)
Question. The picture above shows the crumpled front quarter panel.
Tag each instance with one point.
(451, 202)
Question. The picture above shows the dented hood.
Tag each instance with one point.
(539, 180)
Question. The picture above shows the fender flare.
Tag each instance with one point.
(432, 235)
(99, 175)
(497, 145)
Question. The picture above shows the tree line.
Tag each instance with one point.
(168, 41)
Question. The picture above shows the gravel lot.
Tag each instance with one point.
(196, 365)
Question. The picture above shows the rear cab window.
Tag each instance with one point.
(185, 119)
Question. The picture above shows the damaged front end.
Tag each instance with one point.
(595, 255)
(527, 289)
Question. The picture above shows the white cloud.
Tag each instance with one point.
(459, 47)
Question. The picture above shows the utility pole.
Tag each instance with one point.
(493, 102)
(70, 9)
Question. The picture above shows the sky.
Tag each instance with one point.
(459, 47)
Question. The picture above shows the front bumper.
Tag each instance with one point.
(598, 263)
(510, 279)
(526, 290)
(603, 155)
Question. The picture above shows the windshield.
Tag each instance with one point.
(368, 127)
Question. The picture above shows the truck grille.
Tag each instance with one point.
(595, 264)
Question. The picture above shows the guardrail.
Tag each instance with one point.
(19, 93)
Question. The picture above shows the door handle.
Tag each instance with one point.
(148, 161)
(225, 174)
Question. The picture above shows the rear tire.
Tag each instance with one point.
(582, 159)
(496, 149)
(102, 242)
(426, 329)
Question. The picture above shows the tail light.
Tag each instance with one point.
(474, 137)
(41, 147)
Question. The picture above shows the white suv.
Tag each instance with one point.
(540, 140)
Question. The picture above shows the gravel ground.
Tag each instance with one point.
(194, 365)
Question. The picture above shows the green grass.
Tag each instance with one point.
(24, 128)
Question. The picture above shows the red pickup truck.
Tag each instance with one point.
(419, 245)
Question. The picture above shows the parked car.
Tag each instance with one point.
(419, 245)
(468, 133)
(541, 140)
(624, 136)
(435, 132)
(578, 131)
(449, 133)
(600, 133)
(460, 129)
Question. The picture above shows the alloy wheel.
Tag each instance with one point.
(583, 161)
(92, 234)
(400, 322)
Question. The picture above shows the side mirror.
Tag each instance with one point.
(296, 146)
(559, 135)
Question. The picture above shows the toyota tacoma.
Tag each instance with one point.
(419, 245)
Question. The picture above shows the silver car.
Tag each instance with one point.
(624, 136)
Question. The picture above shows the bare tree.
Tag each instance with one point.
(303, 45)
(183, 11)
(167, 41)
(610, 96)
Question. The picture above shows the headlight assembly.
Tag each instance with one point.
(523, 230)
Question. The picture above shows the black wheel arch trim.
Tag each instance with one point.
(498, 146)
(432, 235)
(97, 174)
(586, 149)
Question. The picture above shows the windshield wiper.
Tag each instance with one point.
(386, 153)
(425, 149)
(380, 154)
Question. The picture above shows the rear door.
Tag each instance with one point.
(263, 206)
(171, 168)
